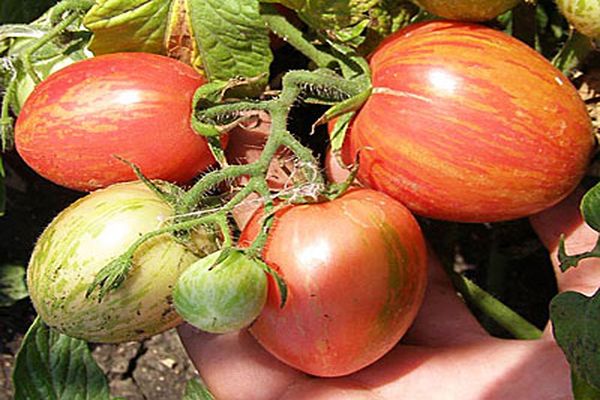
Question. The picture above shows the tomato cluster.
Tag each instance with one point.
(463, 123)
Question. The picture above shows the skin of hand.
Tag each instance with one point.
(445, 355)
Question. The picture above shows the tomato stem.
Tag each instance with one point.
(518, 326)
(38, 44)
(280, 26)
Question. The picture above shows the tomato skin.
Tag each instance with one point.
(88, 234)
(133, 105)
(584, 15)
(469, 124)
(356, 274)
(467, 10)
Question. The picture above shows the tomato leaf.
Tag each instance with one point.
(356, 23)
(195, 390)
(128, 25)
(590, 207)
(12, 284)
(233, 41)
(582, 390)
(576, 322)
(52, 366)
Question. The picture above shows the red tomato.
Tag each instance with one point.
(466, 123)
(356, 273)
(134, 105)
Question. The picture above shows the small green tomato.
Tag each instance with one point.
(224, 297)
(584, 15)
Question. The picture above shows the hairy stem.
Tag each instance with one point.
(288, 32)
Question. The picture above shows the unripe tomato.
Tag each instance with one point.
(584, 15)
(82, 239)
(356, 272)
(468, 124)
(467, 10)
(223, 297)
(133, 105)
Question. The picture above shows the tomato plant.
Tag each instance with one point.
(133, 105)
(355, 269)
(466, 123)
(221, 296)
(84, 238)
(468, 10)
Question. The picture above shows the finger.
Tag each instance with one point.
(565, 218)
(233, 366)
(443, 319)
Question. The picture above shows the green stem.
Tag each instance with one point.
(574, 51)
(6, 121)
(52, 33)
(288, 32)
(519, 327)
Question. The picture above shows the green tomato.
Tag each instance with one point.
(584, 15)
(88, 234)
(224, 297)
(467, 10)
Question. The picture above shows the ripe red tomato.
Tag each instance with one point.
(466, 123)
(134, 105)
(356, 273)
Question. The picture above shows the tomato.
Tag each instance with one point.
(133, 105)
(468, 124)
(82, 239)
(584, 15)
(467, 10)
(224, 297)
(355, 269)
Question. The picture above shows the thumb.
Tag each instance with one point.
(565, 218)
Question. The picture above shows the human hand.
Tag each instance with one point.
(445, 355)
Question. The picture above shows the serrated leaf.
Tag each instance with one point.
(12, 284)
(128, 25)
(576, 322)
(196, 390)
(233, 41)
(590, 207)
(52, 366)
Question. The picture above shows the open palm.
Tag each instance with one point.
(445, 355)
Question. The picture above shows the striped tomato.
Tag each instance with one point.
(86, 236)
(133, 105)
(584, 15)
(356, 272)
(466, 123)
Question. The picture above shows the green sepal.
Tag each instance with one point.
(281, 285)
(338, 133)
